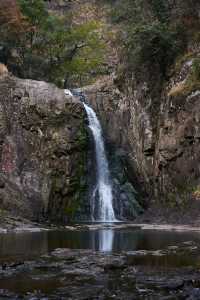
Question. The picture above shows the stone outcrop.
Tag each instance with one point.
(42, 150)
(159, 136)
(176, 157)
(151, 126)
(153, 120)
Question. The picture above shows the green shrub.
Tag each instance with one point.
(150, 44)
(195, 71)
(52, 48)
(160, 9)
(149, 38)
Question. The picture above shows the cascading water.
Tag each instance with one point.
(102, 197)
(103, 189)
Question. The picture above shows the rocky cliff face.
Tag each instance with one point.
(156, 126)
(42, 150)
(154, 121)
(151, 126)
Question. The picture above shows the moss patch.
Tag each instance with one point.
(77, 185)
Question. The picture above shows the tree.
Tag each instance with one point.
(150, 40)
(50, 48)
(10, 14)
(36, 15)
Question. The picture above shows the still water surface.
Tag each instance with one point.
(28, 245)
(46, 276)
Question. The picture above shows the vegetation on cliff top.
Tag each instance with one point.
(49, 47)
(152, 36)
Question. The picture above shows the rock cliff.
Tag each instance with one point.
(158, 133)
(42, 150)
(153, 119)
(150, 121)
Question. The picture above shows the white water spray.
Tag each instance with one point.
(103, 187)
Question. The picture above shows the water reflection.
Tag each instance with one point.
(106, 237)
(28, 245)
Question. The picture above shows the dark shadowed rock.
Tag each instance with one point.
(158, 134)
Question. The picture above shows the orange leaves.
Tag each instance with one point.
(10, 15)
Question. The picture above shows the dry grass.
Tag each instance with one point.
(9, 13)
(177, 90)
(184, 88)
(3, 69)
(191, 84)
(196, 193)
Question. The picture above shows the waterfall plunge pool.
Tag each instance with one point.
(103, 237)
(86, 262)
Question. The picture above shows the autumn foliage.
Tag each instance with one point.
(38, 44)
(10, 14)
(3, 69)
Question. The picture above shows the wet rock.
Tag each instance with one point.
(5, 294)
(94, 275)
(114, 265)
(172, 284)
(194, 294)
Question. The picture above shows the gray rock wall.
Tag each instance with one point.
(42, 150)
(159, 136)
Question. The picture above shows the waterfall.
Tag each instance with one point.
(102, 194)
(102, 197)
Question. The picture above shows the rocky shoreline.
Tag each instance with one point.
(153, 219)
(171, 215)
(85, 274)
(18, 224)
(169, 273)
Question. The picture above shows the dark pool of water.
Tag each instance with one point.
(15, 248)
(32, 244)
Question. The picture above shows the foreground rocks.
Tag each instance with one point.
(42, 150)
(84, 274)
